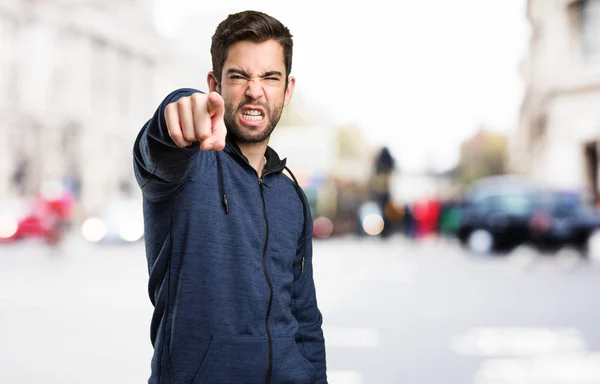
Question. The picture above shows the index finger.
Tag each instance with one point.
(217, 140)
(216, 105)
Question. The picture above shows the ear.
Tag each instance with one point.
(289, 90)
(211, 80)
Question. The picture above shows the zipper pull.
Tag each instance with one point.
(302, 266)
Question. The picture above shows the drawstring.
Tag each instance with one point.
(222, 183)
(296, 187)
(304, 211)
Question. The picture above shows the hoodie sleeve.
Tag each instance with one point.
(160, 166)
(308, 314)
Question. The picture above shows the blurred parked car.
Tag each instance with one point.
(562, 218)
(500, 213)
(30, 218)
(117, 222)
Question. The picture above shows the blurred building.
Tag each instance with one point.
(557, 141)
(76, 84)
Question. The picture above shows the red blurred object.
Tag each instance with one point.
(45, 216)
(540, 223)
(322, 227)
(427, 213)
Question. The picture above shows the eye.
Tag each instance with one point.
(236, 77)
(272, 78)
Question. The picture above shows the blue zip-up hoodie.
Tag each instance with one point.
(230, 265)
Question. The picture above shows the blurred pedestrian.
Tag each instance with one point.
(427, 214)
(228, 235)
(408, 222)
(449, 218)
(20, 175)
(381, 186)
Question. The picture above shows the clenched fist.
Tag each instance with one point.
(197, 118)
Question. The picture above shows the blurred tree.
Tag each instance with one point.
(482, 155)
(350, 142)
(295, 114)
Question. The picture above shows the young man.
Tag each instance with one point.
(228, 235)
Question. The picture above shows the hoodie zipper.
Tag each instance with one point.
(269, 283)
(264, 261)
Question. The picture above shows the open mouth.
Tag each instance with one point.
(253, 115)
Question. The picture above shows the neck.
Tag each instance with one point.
(255, 153)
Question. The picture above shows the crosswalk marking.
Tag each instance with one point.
(514, 341)
(575, 369)
(530, 355)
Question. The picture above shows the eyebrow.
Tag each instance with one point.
(272, 73)
(246, 74)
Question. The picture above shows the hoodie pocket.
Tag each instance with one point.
(289, 364)
(234, 359)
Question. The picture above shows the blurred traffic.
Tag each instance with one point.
(116, 222)
(48, 215)
(493, 215)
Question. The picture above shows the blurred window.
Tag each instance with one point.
(566, 203)
(516, 204)
(590, 27)
(98, 74)
(511, 204)
(8, 64)
(124, 80)
(483, 205)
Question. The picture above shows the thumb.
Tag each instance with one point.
(216, 105)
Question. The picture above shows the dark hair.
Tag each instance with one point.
(252, 26)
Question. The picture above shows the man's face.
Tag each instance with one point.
(253, 85)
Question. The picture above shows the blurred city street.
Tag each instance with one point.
(394, 312)
(451, 202)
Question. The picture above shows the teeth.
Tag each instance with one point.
(252, 112)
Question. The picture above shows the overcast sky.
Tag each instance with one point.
(419, 76)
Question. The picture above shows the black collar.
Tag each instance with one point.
(274, 163)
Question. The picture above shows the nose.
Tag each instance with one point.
(254, 90)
